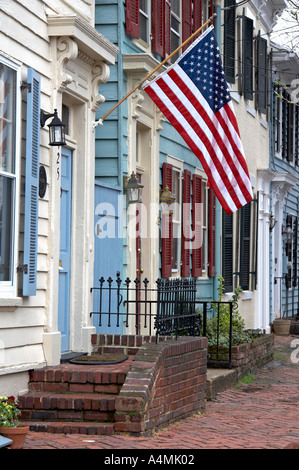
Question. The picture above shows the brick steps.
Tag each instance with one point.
(59, 427)
(72, 398)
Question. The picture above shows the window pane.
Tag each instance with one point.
(176, 7)
(175, 247)
(143, 20)
(7, 118)
(6, 224)
(143, 5)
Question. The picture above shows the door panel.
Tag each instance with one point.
(107, 254)
(65, 248)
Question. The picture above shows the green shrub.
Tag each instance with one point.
(218, 326)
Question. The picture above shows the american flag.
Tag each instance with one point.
(193, 94)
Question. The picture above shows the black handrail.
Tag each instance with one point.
(168, 309)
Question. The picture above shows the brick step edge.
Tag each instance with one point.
(86, 428)
(80, 376)
(46, 401)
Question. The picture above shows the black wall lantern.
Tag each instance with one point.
(56, 128)
(133, 188)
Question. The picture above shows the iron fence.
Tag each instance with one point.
(288, 296)
(168, 309)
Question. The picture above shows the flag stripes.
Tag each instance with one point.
(208, 127)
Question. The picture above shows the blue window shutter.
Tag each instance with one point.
(32, 183)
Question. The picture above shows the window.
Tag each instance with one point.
(8, 174)
(144, 21)
(291, 251)
(239, 248)
(66, 118)
(286, 123)
(205, 226)
(172, 22)
(176, 220)
(188, 229)
(175, 27)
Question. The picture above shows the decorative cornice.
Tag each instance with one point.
(282, 184)
(100, 74)
(89, 41)
(67, 50)
(140, 63)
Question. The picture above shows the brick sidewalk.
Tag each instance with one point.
(259, 415)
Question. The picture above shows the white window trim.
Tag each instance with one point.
(204, 177)
(178, 165)
(8, 289)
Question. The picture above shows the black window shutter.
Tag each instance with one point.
(289, 253)
(284, 127)
(227, 251)
(229, 40)
(296, 134)
(247, 72)
(262, 74)
(245, 226)
(290, 151)
(295, 248)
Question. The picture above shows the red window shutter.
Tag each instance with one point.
(186, 224)
(132, 18)
(167, 35)
(186, 22)
(158, 26)
(167, 226)
(197, 15)
(212, 233)
(197, 226)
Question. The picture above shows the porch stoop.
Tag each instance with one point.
(72, 398)
(158, 384)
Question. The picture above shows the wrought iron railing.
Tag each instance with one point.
(168, 309)
(288, 296)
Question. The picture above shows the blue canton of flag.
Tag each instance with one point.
(204, 67)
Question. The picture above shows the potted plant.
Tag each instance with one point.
(282, 326)
(10, 426)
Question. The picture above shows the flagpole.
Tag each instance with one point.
(100, 121)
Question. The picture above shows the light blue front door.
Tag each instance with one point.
(107, 255)
(65, 248)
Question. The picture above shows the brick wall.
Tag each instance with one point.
(166, 381)
(249, 356)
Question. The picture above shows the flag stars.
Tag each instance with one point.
(203, 65)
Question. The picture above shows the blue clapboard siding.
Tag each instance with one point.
(290, 300)
(111, 138)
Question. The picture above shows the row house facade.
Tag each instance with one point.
(87, 56)
(284, 183)
(137, 137)
(51, 58)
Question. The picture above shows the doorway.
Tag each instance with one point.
(65, 248)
